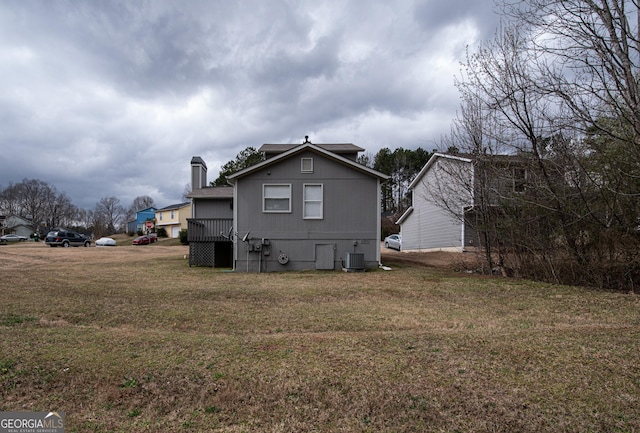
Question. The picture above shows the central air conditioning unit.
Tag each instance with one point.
(354, 262)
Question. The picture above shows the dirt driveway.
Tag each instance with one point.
(438, 259)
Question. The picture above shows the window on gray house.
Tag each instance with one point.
(313, 198)
(276, 198)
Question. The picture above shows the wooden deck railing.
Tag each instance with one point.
(208, 229)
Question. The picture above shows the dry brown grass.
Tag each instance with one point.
(132, 339)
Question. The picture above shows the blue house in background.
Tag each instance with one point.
(142, 216)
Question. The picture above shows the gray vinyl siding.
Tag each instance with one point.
(429, 226)
(219, 208)
(350, 216)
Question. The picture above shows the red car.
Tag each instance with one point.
(144, 240)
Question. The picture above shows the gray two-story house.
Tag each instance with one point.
(305, 206)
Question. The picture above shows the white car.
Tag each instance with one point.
(393, 241)
(12, 238)
(106, 242)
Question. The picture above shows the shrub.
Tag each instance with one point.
(183, 237)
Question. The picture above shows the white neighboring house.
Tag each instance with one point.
(16, 225)
(440, 195)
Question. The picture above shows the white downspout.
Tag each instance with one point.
(379, 222)
(471, 205)
(235, 223)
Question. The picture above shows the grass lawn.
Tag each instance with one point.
(131, 338)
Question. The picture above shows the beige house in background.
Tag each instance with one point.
(173, 218)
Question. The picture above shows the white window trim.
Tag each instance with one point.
(305, 201)
(519, 175)
(264, 198)
(302, 169)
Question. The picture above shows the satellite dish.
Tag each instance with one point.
(244, 239)
(228, 235)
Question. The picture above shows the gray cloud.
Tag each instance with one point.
(113, 98)
(432, 15)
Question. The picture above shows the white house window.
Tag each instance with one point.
(519, 179)
(312, 201)
(276, 198)
(306, 165)
(173, 214)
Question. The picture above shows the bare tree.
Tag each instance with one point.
(97, 223)
(186, 191)
(39, 202)
(9, 197)
(109, 214)
(33, 194)
(59, 210)
(84, 218)
(139, 203)
(142, 202)
(471, 136)
(561, 86)
(589, 53)
(503, 75)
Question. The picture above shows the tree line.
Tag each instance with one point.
(557, 89)
(47, 208)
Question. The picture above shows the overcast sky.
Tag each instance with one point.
(113, 98)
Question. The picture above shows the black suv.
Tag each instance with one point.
(66, 238)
